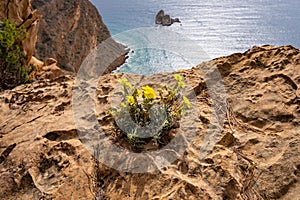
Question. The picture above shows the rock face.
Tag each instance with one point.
(256, 155)
(69, 30)
(21, 13)
(165, 20)
(159, 17)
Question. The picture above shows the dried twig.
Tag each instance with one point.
(250, 178)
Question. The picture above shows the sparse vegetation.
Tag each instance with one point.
(146, 115)
(13, 68)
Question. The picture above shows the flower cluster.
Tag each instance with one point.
(179, 79)
(141, 104)
(125, 83)
(148, 92)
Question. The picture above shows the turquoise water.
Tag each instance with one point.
(219, 27)
(149, 61)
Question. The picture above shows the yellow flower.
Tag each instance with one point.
(125, 82)
(181, 83)
(123, 105)
(130, 99)
(149, 92)
(178, 77)
(138, 92)
(186, 101)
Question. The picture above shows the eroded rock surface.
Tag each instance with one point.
(255, 156)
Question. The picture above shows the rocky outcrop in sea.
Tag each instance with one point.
(165, 20)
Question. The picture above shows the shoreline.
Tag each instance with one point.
(118, 62)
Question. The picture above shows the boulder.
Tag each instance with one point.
(36, 62)
(50, 72)
(47, 70)
(50, 61)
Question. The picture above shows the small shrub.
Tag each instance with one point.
(13, 68)
(159, 111)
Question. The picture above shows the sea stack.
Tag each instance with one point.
(165, 20)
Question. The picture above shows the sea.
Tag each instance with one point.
(217, 27)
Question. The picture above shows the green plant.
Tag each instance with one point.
(147, 115)
(13, 61)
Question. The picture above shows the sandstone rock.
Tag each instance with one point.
(45, 70)
(50, 61)
(21, 13)
(50, 72)
(53, 164)
(36, 62)
(69, 30)
(256, 155)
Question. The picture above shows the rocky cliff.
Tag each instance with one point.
(255, 156)
(69, 30)
(21, 13)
